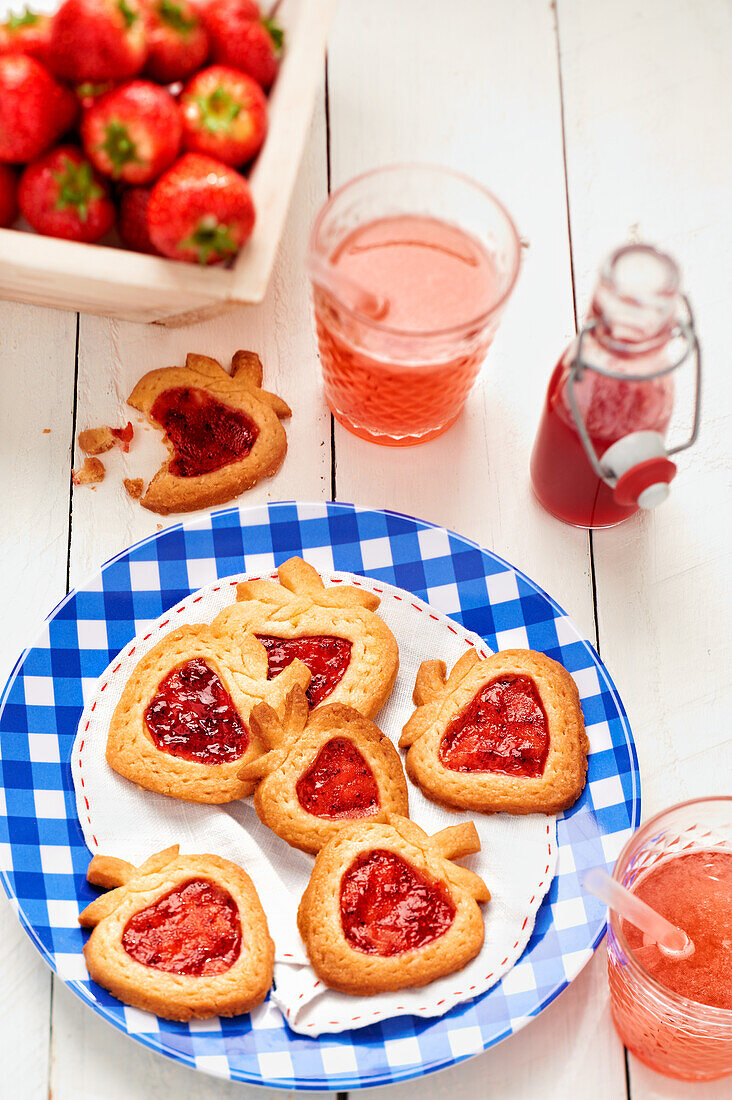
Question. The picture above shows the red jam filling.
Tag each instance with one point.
(504, 729)
(388, 906)
(193, 716)
(205, 433)
(124, 436)
(326, 657)
(339, 783)
(193, 929)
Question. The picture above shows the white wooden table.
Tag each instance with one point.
(595, 121)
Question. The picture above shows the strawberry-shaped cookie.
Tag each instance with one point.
(181, 726)
(222, 430)
(386, 908)
(322, 772)
(350, 651)
(500, 733)
(181, 936)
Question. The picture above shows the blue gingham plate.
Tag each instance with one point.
(42, 852)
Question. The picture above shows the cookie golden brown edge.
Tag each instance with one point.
(440, 699)
(350, 969)
(241, 667)
(298, 605)
(240, 390)
(176, 995)
(296, 744)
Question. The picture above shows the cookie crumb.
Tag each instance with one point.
(90, 473)
(124, 436)
(134, 486)
(95, 441)
(46, 431)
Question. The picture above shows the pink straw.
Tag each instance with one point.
(347, 290)
(671, 940)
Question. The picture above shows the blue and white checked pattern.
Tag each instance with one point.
(42, 852)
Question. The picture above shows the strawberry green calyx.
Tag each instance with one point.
(27, 19)
(172, 15)
(129, 16)
(119, 147)
(90, 89)
(76, 188)
(276, 33)
(211, 238)
(218, 110)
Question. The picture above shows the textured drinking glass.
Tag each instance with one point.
(670, 1033)
(401, 375)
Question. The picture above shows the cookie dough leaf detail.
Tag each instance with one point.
(203, 364)
(109, 872)
(430, 682)
(275, 733)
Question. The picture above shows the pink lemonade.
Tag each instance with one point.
(694, 892)
(432, 275)
(403, 377)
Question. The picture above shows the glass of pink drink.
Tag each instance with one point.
(411, 268)
(676, 1014)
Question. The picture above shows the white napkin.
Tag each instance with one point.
(517, 859)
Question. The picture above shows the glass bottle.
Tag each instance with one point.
(600, 452)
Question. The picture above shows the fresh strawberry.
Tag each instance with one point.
(34, 108)
(177, 40)
(29, 33)
(241, 38)
(88, 91)
(62, 196)
(8, 196)
(132, 133)
(224, 115)
(200, 211)
(98, 40)
(132, 224)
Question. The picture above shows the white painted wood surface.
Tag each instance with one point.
(640, 116)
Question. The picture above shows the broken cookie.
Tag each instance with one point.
(91, 473)
(222, 430)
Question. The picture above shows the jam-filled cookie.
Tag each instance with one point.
(181, 726)
(386, 909)
(322, 772)
(223, 431)
(350, 651)
(181, 936)
(500, 733)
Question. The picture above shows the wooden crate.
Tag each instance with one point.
(137, 287)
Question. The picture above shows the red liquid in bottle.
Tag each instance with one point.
(623, 384)
(563, 479)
